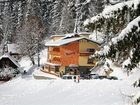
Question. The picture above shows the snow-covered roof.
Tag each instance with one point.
(114, 1)
(71, 34)
(66, 41)
(6, 55)
(52, 64)
(57, 36)
(13, 48)
(76, 34)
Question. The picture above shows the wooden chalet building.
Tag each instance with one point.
(70, 54)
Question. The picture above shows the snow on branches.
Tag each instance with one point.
(112, 11)
(127, 43)
(133, 25)
(114, 18)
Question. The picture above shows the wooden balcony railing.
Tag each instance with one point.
(86, 53)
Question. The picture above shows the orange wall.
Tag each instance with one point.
(69, 53)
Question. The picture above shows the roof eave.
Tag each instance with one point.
(56, 45)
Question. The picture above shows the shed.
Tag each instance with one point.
(7, 61)
(13, 49)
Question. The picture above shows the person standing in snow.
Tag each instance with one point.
(74, 78)
(78, 79)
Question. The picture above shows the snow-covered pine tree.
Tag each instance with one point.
(114, 18)
(122, 22)
(112, 21)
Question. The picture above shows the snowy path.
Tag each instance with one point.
(61, 92)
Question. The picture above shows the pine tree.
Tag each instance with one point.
(124, 23)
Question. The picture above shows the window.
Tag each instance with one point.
(90, 61)
(56, 49)
(91, 50)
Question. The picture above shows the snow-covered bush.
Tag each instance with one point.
(7, 73)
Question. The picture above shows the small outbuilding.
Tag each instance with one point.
(13, 50)
(7, 61)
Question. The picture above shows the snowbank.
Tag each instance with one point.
(41, 75)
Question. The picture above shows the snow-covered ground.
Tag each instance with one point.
(29, 91)
(26, 63)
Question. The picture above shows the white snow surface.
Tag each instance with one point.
(97, 37)
(26, 63)
(43, 74)
(13, 48)
(29, 91)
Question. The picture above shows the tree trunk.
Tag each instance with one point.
(32, 60)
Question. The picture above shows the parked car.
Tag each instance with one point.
(112, 78)
(85, 76)
(96, 76)
(69, 76)
(102, 77)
